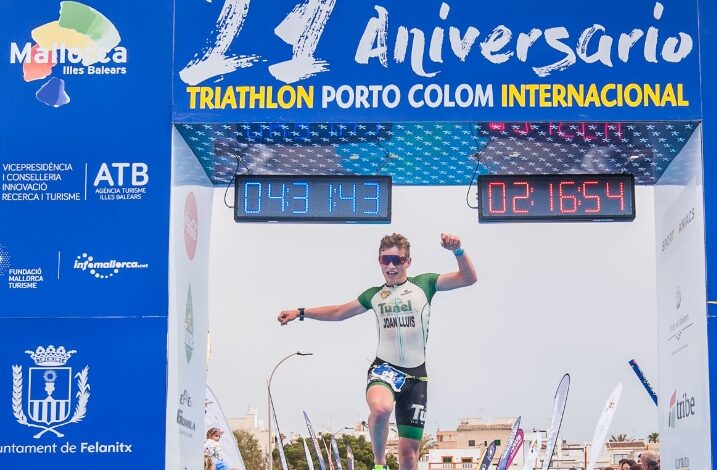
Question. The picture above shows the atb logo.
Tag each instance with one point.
(48, 398)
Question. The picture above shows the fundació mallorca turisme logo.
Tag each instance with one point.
(48, 398)
(82, 41)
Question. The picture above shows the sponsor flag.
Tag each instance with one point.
(309, 461)
(515, 447)
(643, 380)
(561, 399)
(279, 440)
(502, 462)
(487, 457)
(349, 457)
(328, 455)
(335, 451)
(533, 453)
(603, 425)
(214, 417)
(317, 448)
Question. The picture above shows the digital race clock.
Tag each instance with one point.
(556, 197)
(270, 198)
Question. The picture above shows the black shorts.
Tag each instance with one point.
(410, 399)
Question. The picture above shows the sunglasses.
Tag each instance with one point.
(396, 260)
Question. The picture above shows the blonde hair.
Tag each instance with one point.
(209, 463)
(397, 240)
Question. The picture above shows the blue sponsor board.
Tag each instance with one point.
(74, 398)
(84, 158)
(328, 61)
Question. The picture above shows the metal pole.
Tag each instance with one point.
(269, 414)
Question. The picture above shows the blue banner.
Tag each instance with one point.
(84, 158)
(83, 393)
(322, 60)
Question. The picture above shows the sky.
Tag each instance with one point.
(551, 299)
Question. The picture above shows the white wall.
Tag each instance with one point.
(551, 298)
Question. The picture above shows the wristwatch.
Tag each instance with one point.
(301, 313)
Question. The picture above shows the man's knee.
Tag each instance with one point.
(408, 458)
(381, 409)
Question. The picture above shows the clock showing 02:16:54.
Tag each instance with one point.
(597, 197)
(312, 198)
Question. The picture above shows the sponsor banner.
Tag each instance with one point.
(682, 314)
(561, 399)
(515, 447)
(214, 417)
(279, 438)
(314, 439)
(503, 461)
(84, 146)
(643, 380)
(335, 452)
(533, 452)
(298, 60)
(190, 221)
(75, 396)
(349, 458)
(487, 458)
(604, 425)
(328, 455)
(309, 460)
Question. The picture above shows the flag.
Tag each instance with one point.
(515, 447)
(317, 448)
(335, 451)
(487, 457)
(279, 440)
(561, 399)
(603, 425)
(214, 417)
(502, 462)
(309, 461)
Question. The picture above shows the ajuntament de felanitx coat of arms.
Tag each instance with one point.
(49, 399)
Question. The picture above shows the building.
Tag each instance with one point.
(251, 423)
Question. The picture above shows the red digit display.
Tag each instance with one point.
(593, 197)
(620, 194)
(556, 197)
(526, 186)
(502, 197)
(568, 202)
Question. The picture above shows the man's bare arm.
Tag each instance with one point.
(466, 274)
(328, 313)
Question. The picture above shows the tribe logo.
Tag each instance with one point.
(680, 408)
(4, 260)
(105, 269)
(49, 395)
(82, 41)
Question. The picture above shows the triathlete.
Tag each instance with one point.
(402, 308)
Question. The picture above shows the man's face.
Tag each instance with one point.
(625, 466)
(394, 265)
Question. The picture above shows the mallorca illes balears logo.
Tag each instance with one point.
(105, 269)
(82, 42)
(49, 395)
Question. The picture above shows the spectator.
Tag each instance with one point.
(213, 449)
(649, 460)
(625, 464)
